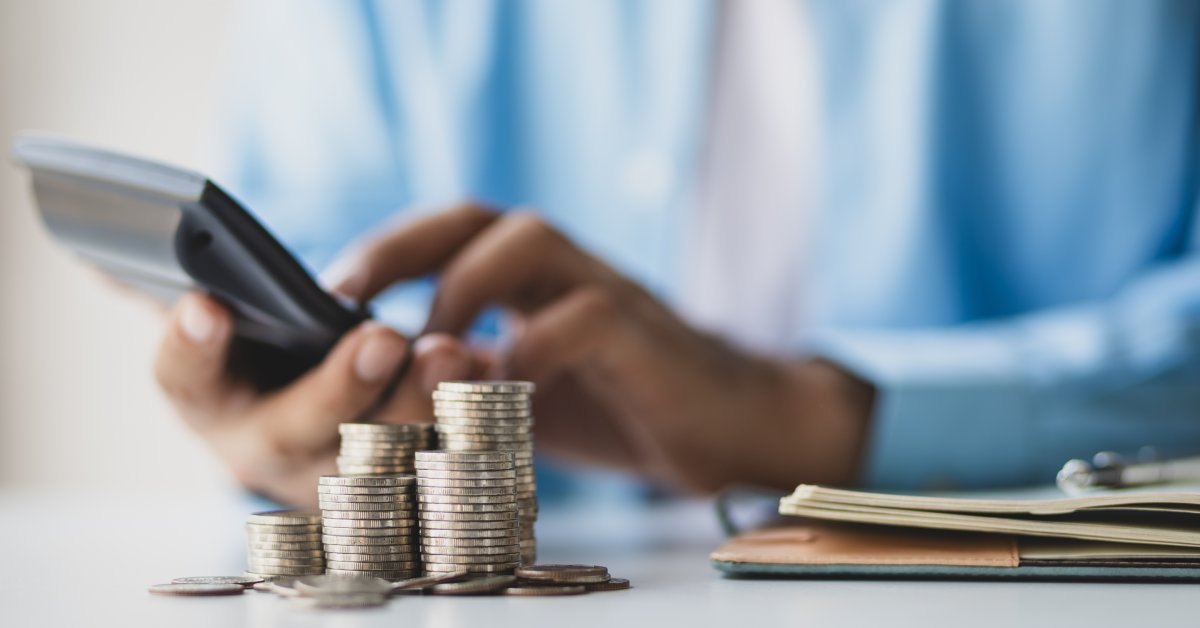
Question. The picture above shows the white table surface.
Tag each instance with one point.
(77, 560)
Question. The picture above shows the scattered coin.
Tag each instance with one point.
(564, 574)
(476, 586)
(340, 600)
(546, 590)
(197, 589)
(329, 584)
(612, 584)
(239, 580)
(428, 581)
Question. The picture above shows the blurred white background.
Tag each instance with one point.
(78, 406)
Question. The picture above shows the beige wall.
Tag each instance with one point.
(77, 404)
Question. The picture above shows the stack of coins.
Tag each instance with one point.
(371, 448)
(369, 525)
(283, 544)
(494, 416)
(468, 511)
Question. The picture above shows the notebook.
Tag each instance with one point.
(1130, 535)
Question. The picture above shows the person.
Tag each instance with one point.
(895, 244)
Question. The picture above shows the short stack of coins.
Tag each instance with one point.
(494, 416)
(468, 512)
(369, 525)
(284, 544)
(372, 448)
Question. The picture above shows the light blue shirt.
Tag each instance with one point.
(1007, 242)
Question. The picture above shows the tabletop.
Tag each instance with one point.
(86, 560)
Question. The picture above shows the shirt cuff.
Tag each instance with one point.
(951, 410)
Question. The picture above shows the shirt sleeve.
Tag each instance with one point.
(1008, 402)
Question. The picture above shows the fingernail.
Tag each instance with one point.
(378, 357)
(197, 323)
(346, 276)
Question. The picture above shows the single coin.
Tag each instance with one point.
(196, 589)
(267, 553)
(487, 387)
(612, 584)
(445, 395)
(478, 550)
(427, 515)
(386, 574)
(481, 568)
(509, 483)
(442, 455)
(431, 465)
(394, 507)
(340, 600)
(242, 581)
(341, 584)
(475, 586)
(470, 508)
(269, 542)
(257, 562)
(371, 549)
(393, 513)
(267, 571)
(508, 500)
(366, 524)
(564, 574)
(480, 414)
(493, 559)
(510, 525)
(285, 518)
(380, 428)
(341, 557)
(545, 590)
(364, 491)
(391, 498)
(453, 422)
(428, 581)
(367, 480)
(469, 446)
(466, 492)
(282, 580)
(370, 541)
(374, 469)
(373, 565)
(353, 531)
(509, 473)
(459, 541)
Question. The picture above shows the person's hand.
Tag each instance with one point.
(278, 443)
(621, 380)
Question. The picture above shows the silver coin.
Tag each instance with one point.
(393, 514)
(468, 499)
(266, 561)
(450, 431)
(480, 414)
(456, 524)
(352, 531)
(340, 584)
(268, 553)
(433, 507)
(430, 474)
(453, 456)
(340, 600)
(487, 387)
(564, 574)
(368, 507)
(437, 465)
(268, 546)
(380, 428)
(475, 586)
(468, 559)
(370, 549)
(428, 581)
(454, 422)
(337, 557)
(386, 574)
(286, 571)
(367, 480)
(509, 483)
(389, 540)
(440, 406)
(364, 491)
(426, 516)
(545, 590)
(373, 469)
(268, 537)
(431, 534)
(366, 524)
(475, 446)
(381, 565)
(478, 568)
(284, 518)
(445, 550)
(508, 397)
(281, 580)
(461, 541)
(393, 498)
(241, 581)
(196, 589)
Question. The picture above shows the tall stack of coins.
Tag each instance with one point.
(369, 525)
(494, 416)
(283, 544)
(468, 511)
(371, 448)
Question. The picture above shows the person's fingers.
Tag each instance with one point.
(303, 417)
(414, 249)
(190, 366)
(519, 261)
(436, 358)
(574, 328)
